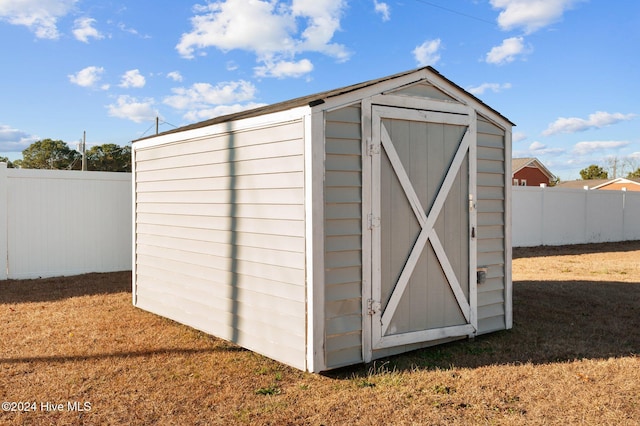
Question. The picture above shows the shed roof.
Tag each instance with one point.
(315, 99)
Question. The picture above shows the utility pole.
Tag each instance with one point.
(84, 151)
(157, 123)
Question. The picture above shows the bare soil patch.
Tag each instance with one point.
(571, 358)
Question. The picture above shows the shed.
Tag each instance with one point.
(332, 229)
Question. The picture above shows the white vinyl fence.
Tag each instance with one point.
(558, 216)
(55, 222)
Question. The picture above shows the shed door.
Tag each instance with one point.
(422, 225)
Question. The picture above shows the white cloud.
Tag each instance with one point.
(204, 114)
(267, 28)
(130, 108)
(284, 69)
(428, 52)
(202, 96)
(238, 24)
(507, 51)
(83, 30)
(518, 137)
(88, 77)
(323, 19)
(537, 149)
(596, 120)
(132, 78)
(383, 9)
(494, 87)
(40, 16)
(175, 76)
(14, 140)
(531, 15)
(585, 148)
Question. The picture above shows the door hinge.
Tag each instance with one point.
(374, 221)
(372, 306)
(373, 148)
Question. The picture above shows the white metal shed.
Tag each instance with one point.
(331, 229)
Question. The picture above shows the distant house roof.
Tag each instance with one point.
(317, 99)
(597, 183)
(618, 181)
(581, 183)
(518, 164)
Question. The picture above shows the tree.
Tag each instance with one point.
(6, 160)
(634, 175)
(109, 157)
(50, 154)
(593, 172)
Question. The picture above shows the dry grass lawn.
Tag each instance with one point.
(571, 358)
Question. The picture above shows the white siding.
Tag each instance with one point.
(343, 239)
(424, 90)
(220, 236)
(491, 225)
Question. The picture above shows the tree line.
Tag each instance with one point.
(56, 155)
(597, 172)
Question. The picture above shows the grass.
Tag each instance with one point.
(571, 358)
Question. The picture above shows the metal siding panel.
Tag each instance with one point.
(248, 211)
(223, 156)
(277, 180)
(345, 291)
(343, 228)
(424, 90)
(340, 308)
(220, 141)
(221, 231)
(200, 276)
(343, 211)
(246, 239)
(288, 227)
(239, 196)
(342, 276)
(258, 166)
(491, 324)
(491, 225)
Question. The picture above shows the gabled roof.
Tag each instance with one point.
(518, 164)
(581, 183)
(618, 180)
(316, 99)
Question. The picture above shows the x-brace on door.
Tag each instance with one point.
(422, 225)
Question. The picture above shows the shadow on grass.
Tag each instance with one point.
(553, 322)
(118, 355)
(576, 249)
(59, 288)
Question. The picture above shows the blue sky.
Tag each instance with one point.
(567, 72)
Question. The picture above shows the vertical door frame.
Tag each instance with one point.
(428, 111)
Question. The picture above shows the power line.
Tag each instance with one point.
(166, 122)
(145, 132)
(466, 15)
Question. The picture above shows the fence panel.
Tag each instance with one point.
(3, 221)
(558, 216)
(65, 222)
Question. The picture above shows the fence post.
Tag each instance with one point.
(4, 210)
